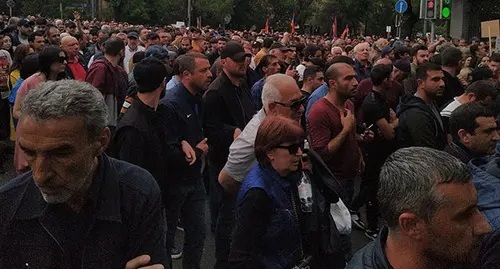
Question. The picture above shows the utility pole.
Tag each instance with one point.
(189, 13)
(92, 6)
(425, 27)
(433, 30)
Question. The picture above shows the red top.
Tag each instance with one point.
(77, 70)
(323, 125)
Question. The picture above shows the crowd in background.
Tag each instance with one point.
(247, 116)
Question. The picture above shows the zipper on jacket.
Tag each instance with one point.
(298, 222)
(51, 235)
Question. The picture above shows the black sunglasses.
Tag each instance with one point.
(292, 149)
(294, 105)
(63, 59)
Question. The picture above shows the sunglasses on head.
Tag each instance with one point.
(294, 105)
(293, 148)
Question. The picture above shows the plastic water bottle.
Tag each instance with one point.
(304, 188)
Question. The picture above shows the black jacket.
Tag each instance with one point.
(183, 120)
(460, 152)
(125, 220)
(452, 88)
(226, 107)
(141, 138)
(81, 61)
(419, 125)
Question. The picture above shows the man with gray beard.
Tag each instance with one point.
(77, 208)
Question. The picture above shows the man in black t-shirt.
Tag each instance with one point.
(382, 120)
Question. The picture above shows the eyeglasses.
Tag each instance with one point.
(63, 59)
(292, 149)
(294, 105)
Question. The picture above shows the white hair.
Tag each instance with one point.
(336, 47)
(271, 90)
(358, 46)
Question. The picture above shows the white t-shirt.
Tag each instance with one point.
(300, 69)
(446, 112)
(128, 55)
(241, 152)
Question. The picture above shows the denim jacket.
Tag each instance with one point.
(486, 178)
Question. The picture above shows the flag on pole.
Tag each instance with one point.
(334, 28)
(292, 23)
(266, 28)
(346, 32)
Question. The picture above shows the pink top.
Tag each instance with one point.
(20, 163)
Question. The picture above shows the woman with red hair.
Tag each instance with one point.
(267, 231)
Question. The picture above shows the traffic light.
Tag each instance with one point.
(430, 12)
(445, 9)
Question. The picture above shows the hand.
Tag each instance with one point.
(237, 133)
(393, 115)
(189, 152)
(203, 145)
(348, 121)
(141, 262)
(290, 71)
(76, 15)
(367, 136)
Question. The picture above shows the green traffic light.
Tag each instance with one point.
(447, 2)
(446, 12)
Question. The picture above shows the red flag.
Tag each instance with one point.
(292, 23)
(266, 28)
(334, 28)
(346, 32)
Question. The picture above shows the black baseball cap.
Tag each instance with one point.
(278, 45)
(235, 51)
(133, 34)
(24, 22)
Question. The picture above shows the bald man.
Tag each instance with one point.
(393, 92)
(332, 127)
(75, 69)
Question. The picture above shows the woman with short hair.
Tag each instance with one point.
(267, 232)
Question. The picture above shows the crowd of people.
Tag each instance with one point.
(122, 131)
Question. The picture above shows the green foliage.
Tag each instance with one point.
(369, 17)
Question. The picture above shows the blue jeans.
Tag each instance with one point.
(186, 200)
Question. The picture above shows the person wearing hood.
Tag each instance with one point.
(420, 122)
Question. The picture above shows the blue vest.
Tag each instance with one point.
(280, 247)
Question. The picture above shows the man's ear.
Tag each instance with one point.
(464, 136)
(412, 226)
(103, 141)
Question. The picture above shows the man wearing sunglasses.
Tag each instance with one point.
(280, 96)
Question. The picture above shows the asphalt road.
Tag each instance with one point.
(208, 259)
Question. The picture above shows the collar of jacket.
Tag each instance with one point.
(104, 192)
(226, 81)
(379, 257)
